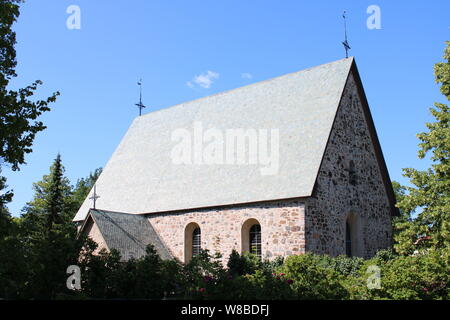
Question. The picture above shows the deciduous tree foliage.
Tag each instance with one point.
(18, 127)
(18, 113)
(431, 192)
(82, 188)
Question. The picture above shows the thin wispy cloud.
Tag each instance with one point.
(204, 80)
(246, 75)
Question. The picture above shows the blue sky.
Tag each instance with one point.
(169, 43)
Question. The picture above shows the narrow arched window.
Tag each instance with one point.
(255, 240)
(196, 241)
(351, 173)
(348, 240)
(192, 241)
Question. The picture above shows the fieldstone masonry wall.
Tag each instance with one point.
(282, 228)
(335, 198)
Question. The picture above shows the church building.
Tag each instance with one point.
(280, 167)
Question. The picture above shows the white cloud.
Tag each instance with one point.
(203, 80)
(246, 75)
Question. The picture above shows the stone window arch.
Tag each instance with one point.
(192, 241)
(251, 237)
(352, 236)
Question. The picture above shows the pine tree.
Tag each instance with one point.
(50, 202)
(49, 236)
(55, 201)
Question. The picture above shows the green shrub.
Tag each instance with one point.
(425, 276)
(311, 280)
(246, 263)
(306, 276)
(343, 265)
(385, 255)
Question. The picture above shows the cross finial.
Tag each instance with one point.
(345, 43)
(140, 105)
(94, 197)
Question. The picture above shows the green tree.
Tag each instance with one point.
(5, 219)
(82, 188)
(18, 128)
(430, 193)
(5, 196)
(54, 204)
(403, 221)
(413, 277)
(49, 237)
(400, 192)
(12, 260)
(51, 201)
(18, 114)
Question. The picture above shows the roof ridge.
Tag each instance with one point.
(117, 212)
(240, 88)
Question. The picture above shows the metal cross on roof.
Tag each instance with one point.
(345, 43)
(140, 105)
(94, 197)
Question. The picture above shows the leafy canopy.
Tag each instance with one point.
(18, 113)
(431, 191)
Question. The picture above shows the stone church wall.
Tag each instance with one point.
(336, 199)
(282, 228)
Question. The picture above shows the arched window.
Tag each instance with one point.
(251, 238)
(348, 239)
(255, 240)
(353, 241)
(196, 241)
(192, 241)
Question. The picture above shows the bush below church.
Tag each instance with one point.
(307, 276)
(422, 276)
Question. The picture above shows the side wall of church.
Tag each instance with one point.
(365, 204)
(282, 228)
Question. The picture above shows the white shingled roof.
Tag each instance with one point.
(141, 176)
